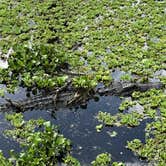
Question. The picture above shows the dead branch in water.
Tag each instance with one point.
(72, 97)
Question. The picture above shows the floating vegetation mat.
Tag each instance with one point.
(45, 43)
(49, 38)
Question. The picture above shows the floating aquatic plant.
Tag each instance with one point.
(42, 143)
(103, 159)
(91, 37)
(50, 38)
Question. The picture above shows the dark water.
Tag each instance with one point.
(79, 126)
(6, 144)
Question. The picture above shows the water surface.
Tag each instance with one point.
(79, 126)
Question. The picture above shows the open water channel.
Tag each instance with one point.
(78, 125)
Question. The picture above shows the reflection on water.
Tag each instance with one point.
(79, 126)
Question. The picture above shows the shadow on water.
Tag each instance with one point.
(79, 126)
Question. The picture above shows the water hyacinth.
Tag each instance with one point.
(42, 43)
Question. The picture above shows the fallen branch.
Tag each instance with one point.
(68, 96)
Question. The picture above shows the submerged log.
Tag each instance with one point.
(67, 97)
(122, 88)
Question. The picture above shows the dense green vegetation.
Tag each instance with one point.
(50, 40)
(84, 36)
(43, 145)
